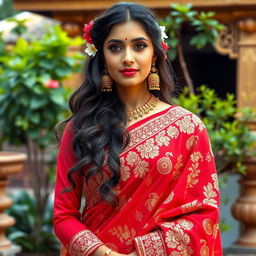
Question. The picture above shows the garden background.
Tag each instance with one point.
(211, 44)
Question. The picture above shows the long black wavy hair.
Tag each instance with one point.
(99, 118)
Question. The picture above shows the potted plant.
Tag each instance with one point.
(33, 99)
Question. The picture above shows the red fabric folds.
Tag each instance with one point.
(168, 193)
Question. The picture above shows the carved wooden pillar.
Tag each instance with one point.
(10, 163)
(239, 41)
(246, 66)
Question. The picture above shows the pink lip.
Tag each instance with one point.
(128, 71)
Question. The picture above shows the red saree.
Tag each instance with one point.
(168, 193)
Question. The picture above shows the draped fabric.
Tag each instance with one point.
(168, 193)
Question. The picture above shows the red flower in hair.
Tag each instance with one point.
(87, 32)
(165, 46)
(52, 84)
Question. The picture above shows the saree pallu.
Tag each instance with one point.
(168, 193)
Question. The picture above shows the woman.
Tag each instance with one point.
(145, 166)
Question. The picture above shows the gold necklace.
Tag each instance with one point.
(142, 110)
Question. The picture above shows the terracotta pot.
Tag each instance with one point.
(244, 209)
(10, 163)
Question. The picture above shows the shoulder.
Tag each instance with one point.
(67, 134)
(186, 121)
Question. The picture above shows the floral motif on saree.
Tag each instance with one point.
(168, 193)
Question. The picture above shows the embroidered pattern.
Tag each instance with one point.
(148, 149)
(141, 169)
(155, 125)
(173, 132)
(83, 243)
(152, 201)
(186, 125)
(209, 194)
(189, 207)
(204, 251)
(164, 165)
(177, 239)
(161, 139)
(191, 142)
(215, 181)
(138, 216)
(150, 244)
(192, 179)
(124, 234)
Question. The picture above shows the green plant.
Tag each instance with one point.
(33, 99)
(230, 136)
(23, 232)
(205, 30)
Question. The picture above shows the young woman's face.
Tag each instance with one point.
(128, 53)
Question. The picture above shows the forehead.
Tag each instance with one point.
(129, 30)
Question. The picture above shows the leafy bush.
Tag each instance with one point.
(33, 99)
(227, 126)
(23, 232)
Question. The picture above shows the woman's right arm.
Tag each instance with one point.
(68, 227)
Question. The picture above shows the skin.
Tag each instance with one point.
(128, 46)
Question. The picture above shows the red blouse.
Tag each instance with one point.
(168, 193)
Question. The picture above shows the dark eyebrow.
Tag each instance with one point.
(133, 40)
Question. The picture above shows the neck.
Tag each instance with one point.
(134, 97)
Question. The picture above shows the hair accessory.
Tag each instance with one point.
(90, 47)
(106, 82)
(163, 37)
(108, 252)
(141, 111)
(153, 79)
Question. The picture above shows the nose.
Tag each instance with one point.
(128, 57)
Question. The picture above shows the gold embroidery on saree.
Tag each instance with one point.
(186, 125)
(161, 139)
(177, 239)
(210, 194)
(148, 149)
(152, 201)
(83, 243)
(194, 171)
(164, 165)
(204, 251)
(124, 234)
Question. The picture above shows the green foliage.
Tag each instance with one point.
(6, 9)
(29, 108)
(205, 27)
(23, 232)
(230, 136)
(20, 27)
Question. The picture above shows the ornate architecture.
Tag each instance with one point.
(238, 40)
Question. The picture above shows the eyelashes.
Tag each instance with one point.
(115, 48)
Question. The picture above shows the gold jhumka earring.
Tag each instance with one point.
(153, 79)
(106, 82)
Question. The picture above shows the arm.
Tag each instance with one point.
(68, 226)
(187, 221)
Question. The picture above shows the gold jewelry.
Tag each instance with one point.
(153, 79)
(106, 82)
(140, 111)
(108, 252)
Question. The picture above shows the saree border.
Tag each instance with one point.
(84, 243)
(154, 126)
(150, 244)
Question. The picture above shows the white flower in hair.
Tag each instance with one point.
(90, 49)
(163, 35)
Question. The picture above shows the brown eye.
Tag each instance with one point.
(114, 48)
(140, 46)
